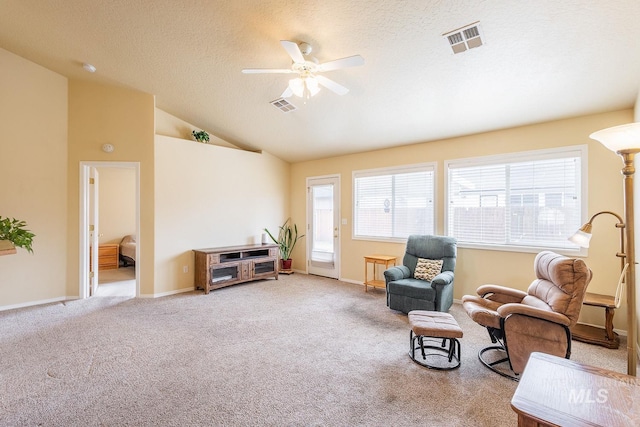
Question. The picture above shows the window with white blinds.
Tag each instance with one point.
(393, 203)
(523, 201)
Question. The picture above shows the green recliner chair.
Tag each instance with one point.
(430, 285)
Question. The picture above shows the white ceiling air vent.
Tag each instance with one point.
(283, 105)
(464, 38)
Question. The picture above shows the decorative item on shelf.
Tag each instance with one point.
(624, 140)
(286, 241)
(14, 233)
(201, 136)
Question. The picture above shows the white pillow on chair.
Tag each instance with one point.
(427, 269)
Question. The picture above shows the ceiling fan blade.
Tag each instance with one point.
(293, 50)
(267, 70)
(350, 61)
(331, 85)
(287, 93)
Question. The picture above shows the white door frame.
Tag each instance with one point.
(85, 168)
(94, 238)
(337, 216)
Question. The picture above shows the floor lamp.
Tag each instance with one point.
(624, 140)
(589, 333)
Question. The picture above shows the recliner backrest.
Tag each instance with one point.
(431, 247)
(561, 283)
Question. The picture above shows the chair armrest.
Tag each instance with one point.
(501, 293)
(396, 273)
(442, 279)
(527, 310)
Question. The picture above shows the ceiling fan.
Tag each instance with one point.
(309, 79)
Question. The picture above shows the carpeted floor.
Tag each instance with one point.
(302, 350)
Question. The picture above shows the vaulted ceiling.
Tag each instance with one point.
(540, 60)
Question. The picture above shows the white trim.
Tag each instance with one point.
(355, 282)
(33, 303)
(496, 159)
(337, 196)
(84, 226)
(168, 293)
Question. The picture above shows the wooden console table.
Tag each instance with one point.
(385, 260)
(219, 267)
(593, 335)
(554, 391)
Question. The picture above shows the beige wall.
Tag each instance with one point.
(476, 267)
(210, 196)
(169, 125)
(117, 197)
(33, 172)
(100, 114)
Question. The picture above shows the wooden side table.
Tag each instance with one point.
(386, 260)
(554, 391)
(593, 335)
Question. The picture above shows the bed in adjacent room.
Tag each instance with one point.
(128, 250)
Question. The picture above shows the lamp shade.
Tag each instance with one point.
(618, 138)
(312, 85)
(297, 86)
(581, 238)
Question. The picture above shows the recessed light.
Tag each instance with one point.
(88, 67)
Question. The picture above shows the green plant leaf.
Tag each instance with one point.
(16, 232)
(287, 238)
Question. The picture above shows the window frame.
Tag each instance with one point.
(391, 170)
(516, 157)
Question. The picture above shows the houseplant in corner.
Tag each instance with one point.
(14, 233)
(201, 136)
(286, 241)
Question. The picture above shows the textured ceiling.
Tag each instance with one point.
(542, 60)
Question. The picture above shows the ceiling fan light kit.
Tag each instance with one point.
(308, 82)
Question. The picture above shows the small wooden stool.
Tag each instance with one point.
(435, 326)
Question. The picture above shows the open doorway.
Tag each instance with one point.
(110, 222)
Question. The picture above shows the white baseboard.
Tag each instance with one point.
(32, 303)
(165, 294)
(355, 282)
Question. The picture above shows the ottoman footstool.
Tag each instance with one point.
(434, 327)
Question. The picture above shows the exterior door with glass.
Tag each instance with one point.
(323, 229)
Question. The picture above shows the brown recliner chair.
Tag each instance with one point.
(537, 320)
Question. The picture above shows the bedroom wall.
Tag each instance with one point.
(210, 196)
(100, 114)
(117, 214)
(476, 267)
(33, 148)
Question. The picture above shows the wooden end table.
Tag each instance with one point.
(593, 335)
(386, 260)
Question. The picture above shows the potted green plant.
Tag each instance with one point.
(15, 232)
(286, 241)
(201, 136)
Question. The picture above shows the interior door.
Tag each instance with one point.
(323, 229)
(93, 230)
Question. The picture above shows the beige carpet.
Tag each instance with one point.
(299, 351)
